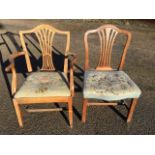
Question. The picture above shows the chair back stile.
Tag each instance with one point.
(107, 35)
(45, 35)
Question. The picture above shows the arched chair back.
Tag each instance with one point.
(107, 35)
(45, 35)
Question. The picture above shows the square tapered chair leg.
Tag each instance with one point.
(84, 110)
(132, 109)
(18, 113)
(70, 111)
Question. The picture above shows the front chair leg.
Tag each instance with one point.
(70, 111)
(131, 110)
(18, 113)
(84, 110)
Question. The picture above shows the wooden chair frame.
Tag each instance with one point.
(45, 35)
(107, 34)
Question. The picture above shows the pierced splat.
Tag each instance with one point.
(45, 35)
(107, 35)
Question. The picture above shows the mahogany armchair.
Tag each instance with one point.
(48, 85)
(104, 83)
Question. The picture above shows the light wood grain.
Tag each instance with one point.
(45, 35)
(107, 35)
(43, 110)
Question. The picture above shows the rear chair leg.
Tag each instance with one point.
(70, 111)
(84, 110)
(131, 110)
(18, 113)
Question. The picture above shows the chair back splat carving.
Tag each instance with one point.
(45, 35)
(107, 35)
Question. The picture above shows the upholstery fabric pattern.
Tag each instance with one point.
(109, 85)
(44, 84)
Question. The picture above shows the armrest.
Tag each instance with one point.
(11, 60)
(12, 68)
(72, 58)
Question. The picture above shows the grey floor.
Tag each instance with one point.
(139, 65)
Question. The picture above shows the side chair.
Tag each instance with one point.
(108, 86)
(47, 85)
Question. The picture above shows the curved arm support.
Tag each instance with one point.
(12, 68)
(72, 59)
